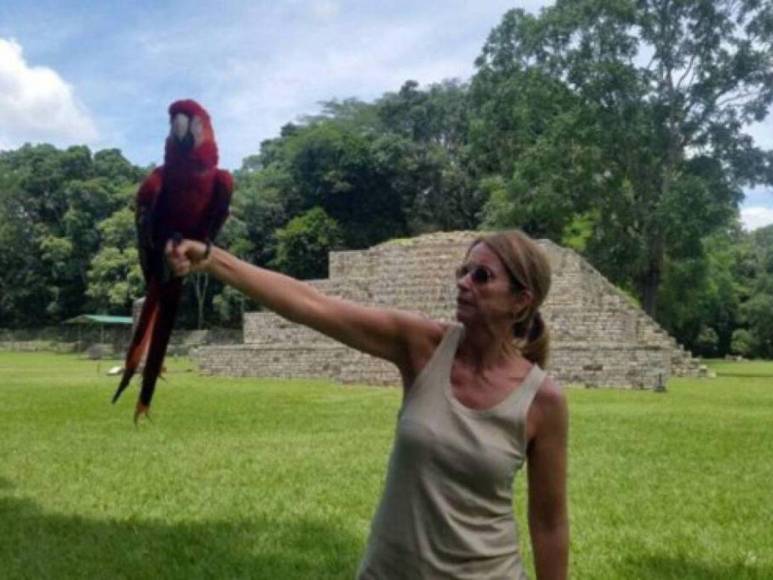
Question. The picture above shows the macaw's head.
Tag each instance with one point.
(191, 137)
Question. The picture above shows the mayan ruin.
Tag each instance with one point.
(599, 337)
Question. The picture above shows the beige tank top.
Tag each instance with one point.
(447, 508)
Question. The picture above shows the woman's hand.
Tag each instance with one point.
(186, 257)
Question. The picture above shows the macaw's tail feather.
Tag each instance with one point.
(140, 339)
(169, 299)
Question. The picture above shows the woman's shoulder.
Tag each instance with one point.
(550, 387)
(549, 406)
(422, 330)
(431, 335)
(550, 393)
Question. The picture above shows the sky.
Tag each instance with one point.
(103, 73)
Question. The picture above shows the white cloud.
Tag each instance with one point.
(317, 64)
(325, 8)
(37, 105)
(756, 217)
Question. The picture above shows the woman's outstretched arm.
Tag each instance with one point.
(395, 335)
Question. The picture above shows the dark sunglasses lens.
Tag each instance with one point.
(481, 276)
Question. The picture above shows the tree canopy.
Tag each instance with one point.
(631, 113)
(616, 127)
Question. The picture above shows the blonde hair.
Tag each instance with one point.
(529, 269)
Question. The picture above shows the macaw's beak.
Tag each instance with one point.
(181, 131)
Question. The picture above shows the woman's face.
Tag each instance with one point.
(485, 292)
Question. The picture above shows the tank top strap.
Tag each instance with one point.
(438, 368)
(528, 390)
(446, 350)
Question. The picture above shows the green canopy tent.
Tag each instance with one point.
(101, 319)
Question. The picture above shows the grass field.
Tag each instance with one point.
(269, 479)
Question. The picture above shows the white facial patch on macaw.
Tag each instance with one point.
(197, 129)
(180, 124)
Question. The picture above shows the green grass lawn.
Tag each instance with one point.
(245, 478)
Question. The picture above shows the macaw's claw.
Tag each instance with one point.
(141, 409)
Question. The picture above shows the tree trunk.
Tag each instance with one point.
(648, 288)
(649, 282)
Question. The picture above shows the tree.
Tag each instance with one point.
(757, 309)
(113, 166)
(305, 242)
(263, 200)
(114, 275)
(53, 200)
(333, 166)
(707, 341)
(742, 343)
(636, 108)
(22, 279)
(425, 144)
(700, 298)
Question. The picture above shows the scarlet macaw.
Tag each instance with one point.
(187, 197)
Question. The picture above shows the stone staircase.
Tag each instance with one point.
(599, 336)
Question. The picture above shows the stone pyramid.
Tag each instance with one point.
(599, 337)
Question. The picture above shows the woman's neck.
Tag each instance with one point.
(486, 348)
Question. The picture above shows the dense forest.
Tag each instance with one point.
(613, 127)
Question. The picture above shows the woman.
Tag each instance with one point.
(476, 406)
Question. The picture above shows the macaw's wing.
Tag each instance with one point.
(147, 196)
(221, 201)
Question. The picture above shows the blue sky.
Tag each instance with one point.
(103, 73)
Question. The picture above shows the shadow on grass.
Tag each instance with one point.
(749, 375)
(670, 567)
(36, 544)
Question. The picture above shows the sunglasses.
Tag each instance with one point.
(478, 274)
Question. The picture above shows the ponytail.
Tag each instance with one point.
(534, 338)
